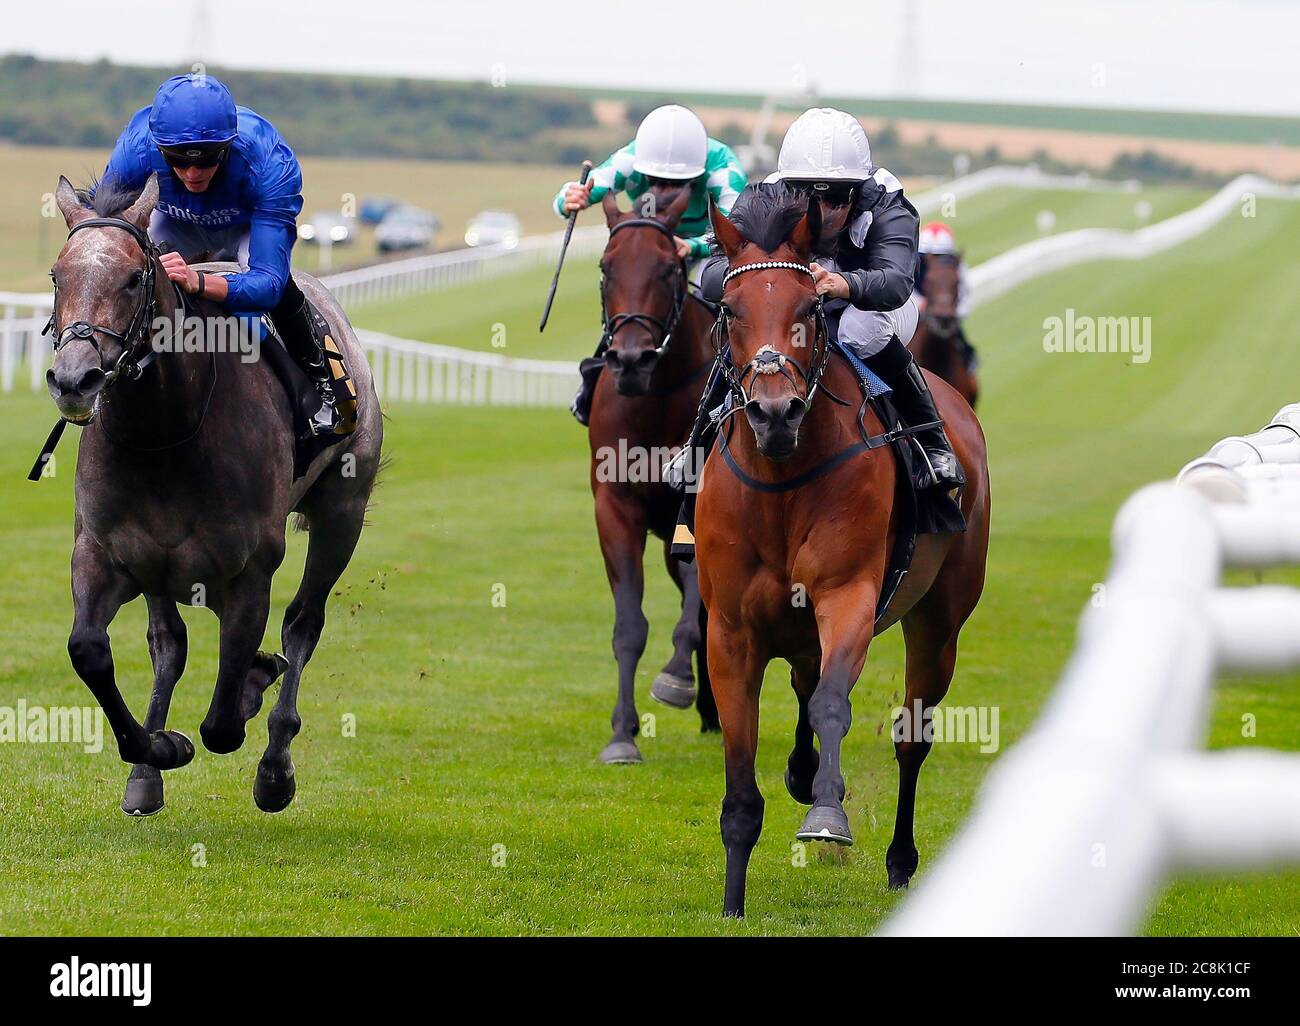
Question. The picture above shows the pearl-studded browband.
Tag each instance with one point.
(767, 265)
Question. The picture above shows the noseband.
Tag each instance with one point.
(610, 326)
(131, 362)
(768, 360)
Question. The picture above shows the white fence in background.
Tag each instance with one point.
(1080, 823)
(435, 271)
(22, 316)
(423, 372)
(1012, 177)
(1043, 256)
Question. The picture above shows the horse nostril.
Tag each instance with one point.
(647, 359)
(92, 379)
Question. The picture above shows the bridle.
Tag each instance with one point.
(132, 361)
(769, 360)
(664, 328)
(135, 338)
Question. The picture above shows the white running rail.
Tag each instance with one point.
(423, 372)
(1079, 824)
(435, 271)
(1042, 256)
(1012, 177)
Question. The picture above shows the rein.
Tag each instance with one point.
(610, 326)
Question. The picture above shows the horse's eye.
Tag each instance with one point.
(135, 280)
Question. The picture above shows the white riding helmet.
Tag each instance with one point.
(671, 143)
(824, 144)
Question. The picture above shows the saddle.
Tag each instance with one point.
(297, 386)
(921, 511)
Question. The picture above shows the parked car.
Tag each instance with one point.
(493, 228)
(375, 208)
(406, 228)
(326, 224)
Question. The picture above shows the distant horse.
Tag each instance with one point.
(938, 344)
(792, 560)
(657, 356)
(184, 484)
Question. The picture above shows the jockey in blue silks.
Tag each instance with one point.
(229, 189)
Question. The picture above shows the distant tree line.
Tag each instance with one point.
(60, 103)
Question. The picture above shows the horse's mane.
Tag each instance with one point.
(108, 197)
(767, 214)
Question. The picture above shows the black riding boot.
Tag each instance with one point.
(303, 331)
(915, 405)
(589, 369)
(683, 470)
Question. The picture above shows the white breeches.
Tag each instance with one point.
(867, 332)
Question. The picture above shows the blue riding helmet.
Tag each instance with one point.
(192, 109)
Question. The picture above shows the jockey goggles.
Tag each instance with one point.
(203, 155)
(833, 194)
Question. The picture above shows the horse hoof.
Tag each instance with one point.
(678, 692)
(272, 792)
(144, 792)
(169, 749)
(620, 753)
(799, 791)
(901, 867)
(825, 823)
(222, 740)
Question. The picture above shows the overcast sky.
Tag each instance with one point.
(1191, 54)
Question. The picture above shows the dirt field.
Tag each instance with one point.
(1093, 149)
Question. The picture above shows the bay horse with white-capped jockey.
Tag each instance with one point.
(794, 504)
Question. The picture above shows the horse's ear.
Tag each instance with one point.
(69, 202)
(610, 205)
(678, 206)
(728, 236)
(808, 230)
(139, 212)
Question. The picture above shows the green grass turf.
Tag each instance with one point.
(468, 317)
(479, 726)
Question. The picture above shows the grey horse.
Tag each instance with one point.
(184, 484)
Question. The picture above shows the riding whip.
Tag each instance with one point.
(568, 233)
